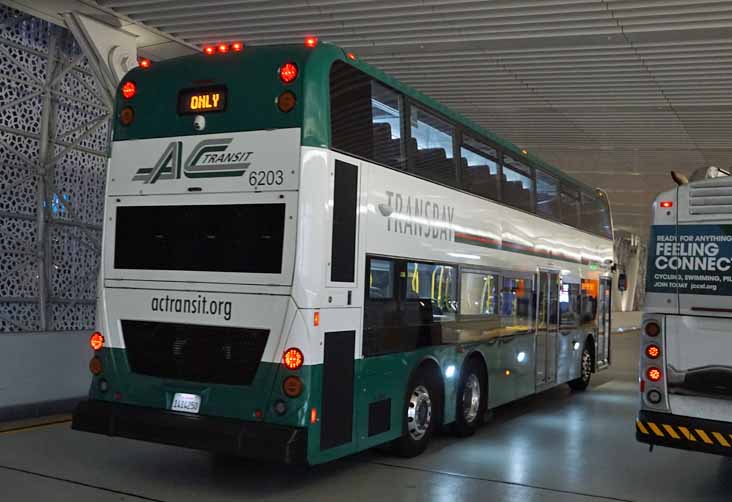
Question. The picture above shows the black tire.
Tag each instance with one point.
(420, 416)
(581, 383)
(469, 414)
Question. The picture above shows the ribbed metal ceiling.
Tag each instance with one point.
(615, 92)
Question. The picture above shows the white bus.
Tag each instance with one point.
(686, 340)
(304, 258)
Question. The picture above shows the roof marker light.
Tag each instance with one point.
(667, 203)
(311, 42)
(237, 47)
(351, 56)
(144, 63)
(223, 48)
(209, 50)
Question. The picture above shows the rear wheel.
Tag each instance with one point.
(583, 381)
(471, 399)
(420, 415)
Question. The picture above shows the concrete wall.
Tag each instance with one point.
(42, 373)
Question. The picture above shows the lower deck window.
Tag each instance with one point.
(242, 238)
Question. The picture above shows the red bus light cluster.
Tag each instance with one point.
(654, 374)
(223, 48)
(288, 73)
(653, 351)
(293, 359)
(129, 89)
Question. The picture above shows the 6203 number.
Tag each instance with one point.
(266, 178)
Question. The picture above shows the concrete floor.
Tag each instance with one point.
(556, 447)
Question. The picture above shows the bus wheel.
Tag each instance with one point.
(420, 411)
(583, 381)
(471, 399)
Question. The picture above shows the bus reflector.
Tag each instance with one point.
(126, 115)
(95, 366)
(288, 72)
(311, 42)
(293, 358)
(653, 351)
(237, 46)
(223, 48)
(96, 340)
(667, 203)
(209, 50)
(286, 101)
(313, 415)
(144, 63)
(316, 318)
(652, 329)
(129, 89)
(292, 386)
(654, 374)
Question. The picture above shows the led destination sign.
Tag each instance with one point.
(210, 99)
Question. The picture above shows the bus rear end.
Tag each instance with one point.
(199, 341)
(686, 339)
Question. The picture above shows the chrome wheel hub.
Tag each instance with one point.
(586, 365)
(471, 398)
(419, 412)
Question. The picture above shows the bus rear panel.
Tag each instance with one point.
(686, 367)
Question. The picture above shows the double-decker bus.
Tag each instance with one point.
(686, 339)
(304, 258)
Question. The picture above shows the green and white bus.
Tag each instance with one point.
(304, 258)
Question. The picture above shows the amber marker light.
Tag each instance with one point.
(652, 329)
(292, 386)
(286, 101)
(293, 358)
(96, 340)
(313, 415)
(654, 374)
(95, 366)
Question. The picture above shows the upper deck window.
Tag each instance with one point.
(431, 147)
(517, 185)
(595, 217)
(547, 195)
(479, 164)
(570, 206)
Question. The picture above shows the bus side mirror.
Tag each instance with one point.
(622, 282)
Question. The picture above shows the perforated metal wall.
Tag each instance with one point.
(54, 139)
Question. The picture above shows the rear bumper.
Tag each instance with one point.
(687, 433)
(222, 435)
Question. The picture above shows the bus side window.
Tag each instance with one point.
(382, 319)
(569, 304)
(589, 300)
(516, 304)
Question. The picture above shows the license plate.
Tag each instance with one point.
(189, 403)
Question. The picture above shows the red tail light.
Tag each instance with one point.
(311, 42)
(313, 416)
(96, 340)
(653, 351)
(288, 72)
(293, 358)
(667, 203)
(129, 89)
(654, 374)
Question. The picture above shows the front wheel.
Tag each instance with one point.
(420, 411)
(583, 381)
(471, 399)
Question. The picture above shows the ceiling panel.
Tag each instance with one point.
(614, 92)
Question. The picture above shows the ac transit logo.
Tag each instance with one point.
(209, 159)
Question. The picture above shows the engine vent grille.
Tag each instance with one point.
(712, 196)
(211, 354)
